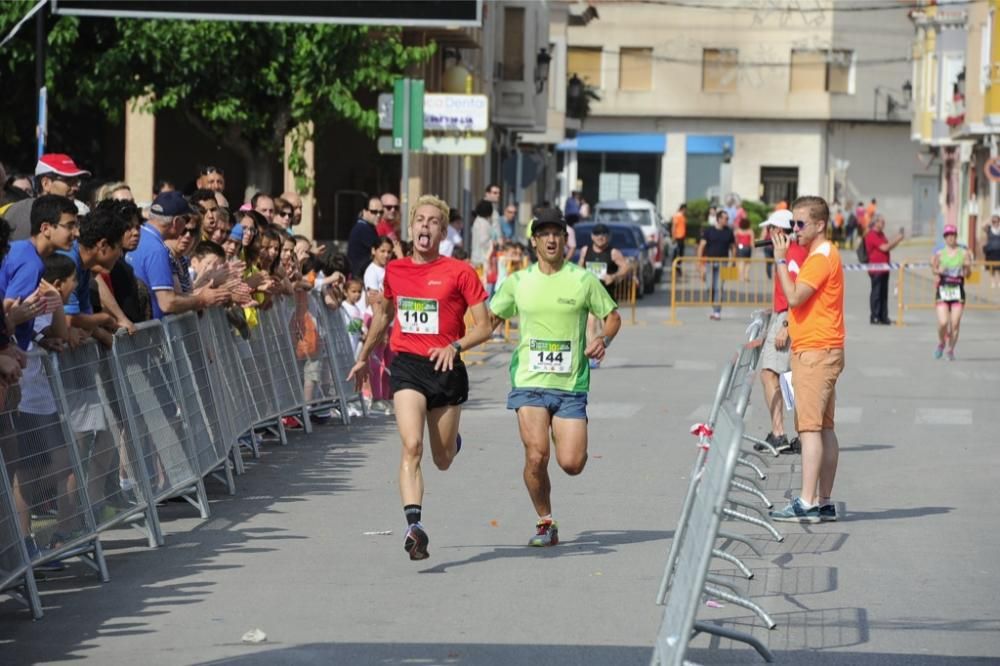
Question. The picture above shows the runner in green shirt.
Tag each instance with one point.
(549, 370)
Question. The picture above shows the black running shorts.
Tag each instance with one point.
(409, 371)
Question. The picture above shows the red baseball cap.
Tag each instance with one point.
(59, 164)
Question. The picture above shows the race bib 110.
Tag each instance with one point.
(418, 315)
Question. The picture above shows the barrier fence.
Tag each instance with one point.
(749, 283)
(95, 438)
(916, 287)
(714, 494)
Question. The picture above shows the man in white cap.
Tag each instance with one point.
(774, 356)
(55, 173)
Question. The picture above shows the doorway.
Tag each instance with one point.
(925, 205)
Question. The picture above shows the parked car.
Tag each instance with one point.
(644, 214)
(627, 239)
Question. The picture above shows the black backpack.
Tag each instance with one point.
(862, 250)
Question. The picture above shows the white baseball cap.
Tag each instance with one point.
(781, 219)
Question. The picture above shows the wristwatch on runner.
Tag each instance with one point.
(606, 340)
(457, 345)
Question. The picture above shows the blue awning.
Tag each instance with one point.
(593, 142)
(708, 144)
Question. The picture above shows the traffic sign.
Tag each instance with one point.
(439, 145)
(463, 113)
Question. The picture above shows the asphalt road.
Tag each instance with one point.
(907, 577)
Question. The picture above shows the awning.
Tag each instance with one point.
(593, 142)
(708, 144)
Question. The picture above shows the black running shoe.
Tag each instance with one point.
(794, 447)
(416, 542)
(779, 442)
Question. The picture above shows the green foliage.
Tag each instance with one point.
(697, 214)
(243, 84)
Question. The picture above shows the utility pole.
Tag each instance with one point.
(41, 127)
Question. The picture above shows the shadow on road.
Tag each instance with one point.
(586, 543)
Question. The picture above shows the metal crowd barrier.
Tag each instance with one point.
(741, 283)
(686, 576)
(915, 287)
(96, 438)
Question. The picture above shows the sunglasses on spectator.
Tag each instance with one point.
(69, 180)
(391, 207)
(799, 224)
(190, 231)
(284, 213)
(375, 211)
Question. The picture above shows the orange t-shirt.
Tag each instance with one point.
(680, 226)
(781, 205)
(819, 322)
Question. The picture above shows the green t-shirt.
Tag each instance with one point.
(552, 324)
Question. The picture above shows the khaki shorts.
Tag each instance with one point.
(310, 371)
(814, 378)
(771, 358)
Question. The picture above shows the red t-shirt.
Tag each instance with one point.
(873, 239)
(796, 256)
(385, 228)
(431, 300)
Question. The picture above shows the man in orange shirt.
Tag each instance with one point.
(816, 327)
(678, 230)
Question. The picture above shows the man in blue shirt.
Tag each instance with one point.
(363, 238)
(168, 216)
(53, 227)
(98, 249)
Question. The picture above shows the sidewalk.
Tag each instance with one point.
(907, 578)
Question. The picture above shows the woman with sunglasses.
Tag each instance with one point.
(180, 253)
(951, 265)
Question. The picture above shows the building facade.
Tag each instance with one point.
(764, 100)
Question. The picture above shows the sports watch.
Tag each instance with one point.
(457, 345)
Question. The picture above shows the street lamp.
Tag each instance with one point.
(542, 70)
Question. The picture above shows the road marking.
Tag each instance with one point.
(883, 371)
(696, 366)
(941, 416)
(978, 375)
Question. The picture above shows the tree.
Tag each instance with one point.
(243, 84)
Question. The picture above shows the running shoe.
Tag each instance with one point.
(794, 447)
(546, 534)
(828, 513)
(458, 443)
(292, 423)
(34, 553)
(796, 513)
(779, 442)
(951, 354)
(415, 542)
(939, 351)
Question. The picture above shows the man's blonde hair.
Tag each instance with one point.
(819, 210)
(430, 200)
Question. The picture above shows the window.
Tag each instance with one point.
(819, 71)
(718, 70)
(779, 184)
(808, 71)
(585, 62)
(838, 72)
(635, 69)
(513, 44)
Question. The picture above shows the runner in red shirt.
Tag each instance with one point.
(774, 355)
(428, 294)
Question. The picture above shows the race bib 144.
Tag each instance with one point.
(551, 356)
